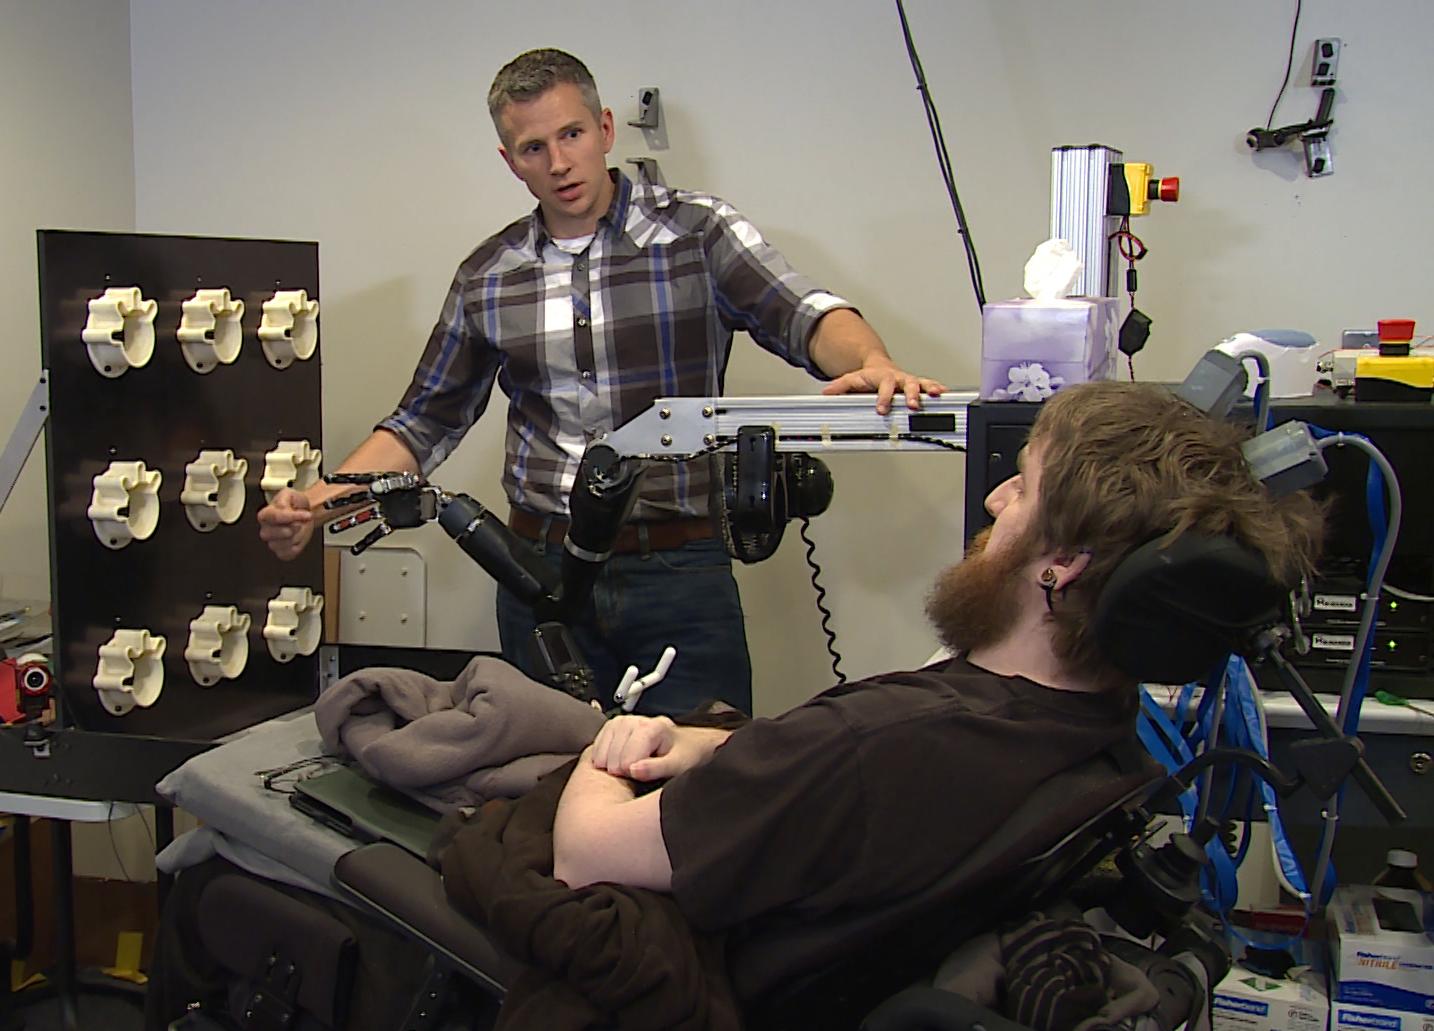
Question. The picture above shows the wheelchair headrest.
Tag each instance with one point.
(1169, 614)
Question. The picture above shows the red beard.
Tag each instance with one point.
(975, 603)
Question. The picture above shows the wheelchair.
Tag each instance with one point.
(847, 969)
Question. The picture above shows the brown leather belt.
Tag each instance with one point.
(661, 535)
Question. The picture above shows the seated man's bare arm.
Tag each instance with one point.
(602, 832)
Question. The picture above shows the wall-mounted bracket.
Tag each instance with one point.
(1324, 63)
(649, 108)
(209, 330)
(218, 644)
(295, 623)
(648, 171)
(213, 489)
(130, 671)
(124, 505)
(292, 463)
(290, 328)
(119, 333)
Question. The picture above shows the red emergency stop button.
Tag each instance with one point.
(1170, 188)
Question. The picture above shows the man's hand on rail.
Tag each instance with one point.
(648, 748)
(848, 350)
(885, 380)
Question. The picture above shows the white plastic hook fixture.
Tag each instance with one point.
(209, 330)
(119, 333)
(630, 689)
(295, 624)
(218, 644)
(213, 489)
(125, 503)
(130, 671)
(292, 463)
(290, 328)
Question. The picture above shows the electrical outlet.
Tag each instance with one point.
(1325, 61)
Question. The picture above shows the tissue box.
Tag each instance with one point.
(1382, 948)
(1031, 348)
(1347, 1017)
(1246, 1001)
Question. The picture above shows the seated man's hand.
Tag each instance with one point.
(885, 380)
(647, 748)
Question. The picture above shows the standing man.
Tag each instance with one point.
(605, 297)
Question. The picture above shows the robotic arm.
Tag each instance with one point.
(763, 486)
(607, 487)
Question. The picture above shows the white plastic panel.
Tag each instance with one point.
(382, 597)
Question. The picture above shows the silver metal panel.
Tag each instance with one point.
(1080, 195)
(22, 440)
(678, 426)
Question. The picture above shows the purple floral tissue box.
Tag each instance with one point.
(1030, 349)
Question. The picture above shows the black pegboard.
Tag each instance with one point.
(163, 414)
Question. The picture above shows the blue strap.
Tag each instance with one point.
(1165, 744)
(1251, 730)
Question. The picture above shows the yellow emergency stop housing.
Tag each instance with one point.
(1137, 180)
(1379, 377)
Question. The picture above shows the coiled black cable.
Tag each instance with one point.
(821, 601)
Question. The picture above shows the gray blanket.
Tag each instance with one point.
(250, 825)
(489, 734)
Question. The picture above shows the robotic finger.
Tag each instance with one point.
(348, 522)
(630, 689)
(371, 538)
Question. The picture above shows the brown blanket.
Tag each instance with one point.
(596, 957)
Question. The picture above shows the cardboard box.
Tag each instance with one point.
(1381, 948)
(1067, 341)
(1349, 1017)
(1246, 1001)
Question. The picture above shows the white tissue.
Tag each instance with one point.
(1052, 270)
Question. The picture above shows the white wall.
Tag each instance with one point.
(68, 164)
(362, 125)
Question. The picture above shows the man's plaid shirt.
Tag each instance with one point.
(582, 343)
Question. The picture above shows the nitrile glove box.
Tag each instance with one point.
(1382, 948)
(1348, 1017)
(1246, 1001)
(1031, 348)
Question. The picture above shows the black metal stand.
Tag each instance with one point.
(65, 984)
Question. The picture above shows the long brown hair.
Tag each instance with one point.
(1125, 463)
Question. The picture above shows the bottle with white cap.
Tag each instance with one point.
(1401, 870)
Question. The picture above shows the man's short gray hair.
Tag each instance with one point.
(532, 74)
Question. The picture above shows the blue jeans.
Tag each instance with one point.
(643, 602)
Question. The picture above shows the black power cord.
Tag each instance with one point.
(943, 159)
(821, 601)
(1289, 65)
